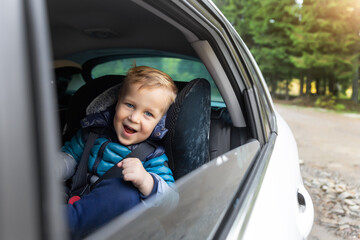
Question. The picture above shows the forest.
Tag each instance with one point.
(307, 48)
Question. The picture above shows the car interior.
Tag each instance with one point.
(83, 42)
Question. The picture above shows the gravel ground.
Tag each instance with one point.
(337, 205)
(330, 164)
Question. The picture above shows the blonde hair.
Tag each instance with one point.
(149, 77)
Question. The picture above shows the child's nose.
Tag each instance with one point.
(134, 117)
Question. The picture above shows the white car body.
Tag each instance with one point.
(276, 223)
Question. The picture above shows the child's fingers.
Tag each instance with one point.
(120, 164)
(130, 162)
(126, 162)
(133, 171)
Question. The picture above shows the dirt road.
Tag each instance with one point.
(328, 143)
(326, 140)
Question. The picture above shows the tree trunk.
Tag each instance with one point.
(324, 85)
(320, 88)
(302, 84)
(333, 88)
(273, 86)
(317, 86)
(308, 84)
(286, 89)
(331, 85)
(355, 82)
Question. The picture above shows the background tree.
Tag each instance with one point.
(316, 41)
(324, 38)
(353, 20)
(265, 26)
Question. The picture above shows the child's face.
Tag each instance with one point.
(138, 112)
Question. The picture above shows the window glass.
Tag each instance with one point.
(182, 70)
(66, 86)
(75, 83)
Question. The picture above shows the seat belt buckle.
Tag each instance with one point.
(74, 199)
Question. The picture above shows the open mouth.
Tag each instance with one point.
(129, 129)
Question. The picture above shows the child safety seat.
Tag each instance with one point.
(188, 120)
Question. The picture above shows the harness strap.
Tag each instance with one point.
(80, 184)
(79, 179)
(141, 152)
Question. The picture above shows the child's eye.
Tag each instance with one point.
(149, 114)
(129, 105)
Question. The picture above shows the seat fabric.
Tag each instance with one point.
(188, 121)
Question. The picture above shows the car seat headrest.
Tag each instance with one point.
(80, 101)
(188, 121)
(104, 100)
(66, 67)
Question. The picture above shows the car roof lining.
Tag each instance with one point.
(190, 36)
(105, 24)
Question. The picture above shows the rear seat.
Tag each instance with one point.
(223, 135)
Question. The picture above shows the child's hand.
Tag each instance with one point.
(134, 172)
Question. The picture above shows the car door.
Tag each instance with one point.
(223, 198)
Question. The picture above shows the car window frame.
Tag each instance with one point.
(266, 110)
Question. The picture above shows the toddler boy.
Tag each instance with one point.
(139, 115)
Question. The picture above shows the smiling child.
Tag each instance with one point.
(139, 115)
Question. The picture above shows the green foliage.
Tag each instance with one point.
(326, 101)
(329, 102)
(340, 107)
(319, 39)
